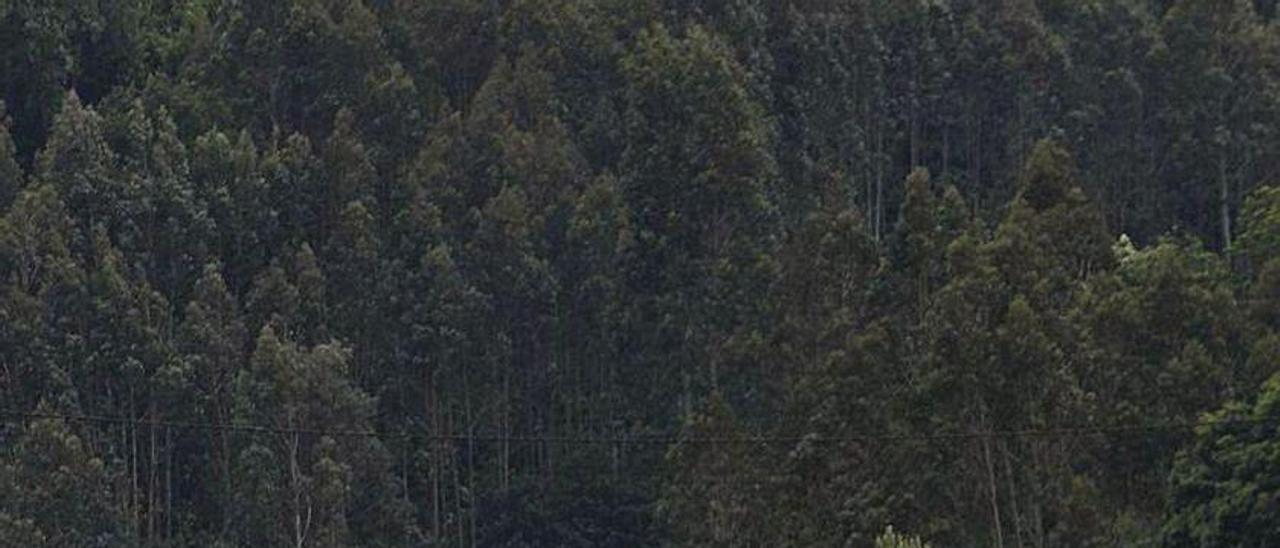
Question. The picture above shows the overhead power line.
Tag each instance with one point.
(883, 436)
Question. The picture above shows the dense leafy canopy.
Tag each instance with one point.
(889, 273)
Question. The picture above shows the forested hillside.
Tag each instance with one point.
(386, 273)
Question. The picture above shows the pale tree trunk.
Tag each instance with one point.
(168, 483)
(917, 100)
(504, 469)
(301, 522)
(134, 502)
(946, 148)
(1039, 496)
(991, 478)
(228, 484)
(1015, 516)
(298, 538)
(431, 409)
(464, 523)
(153, 477)
(456, 470)
(880, 161)
(991, 489)
(1224, 199)
(463, 519)
(867, 168)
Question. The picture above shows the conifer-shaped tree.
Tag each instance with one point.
(56, 491)
(77, 162)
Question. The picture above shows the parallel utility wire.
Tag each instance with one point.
(1068, 431)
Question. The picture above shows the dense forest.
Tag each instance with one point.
(387, 273)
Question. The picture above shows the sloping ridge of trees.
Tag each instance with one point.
(328, 273)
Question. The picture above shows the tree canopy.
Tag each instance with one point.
(885, 273)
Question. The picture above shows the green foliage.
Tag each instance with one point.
(697, 150)
(347, 161)
(657, 272)
(227, 180)
(1222, 484)
(1259, 239)
(56, 492)
(41, 280)
(1214, 52)
(292, 487)
(1167, 304)
(710, 501)
(37, 235)
(78, 164)
(295, 187)
(717, 165)
(893, 539)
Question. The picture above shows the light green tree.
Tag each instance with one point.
(894, 539)
(1222, 484)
